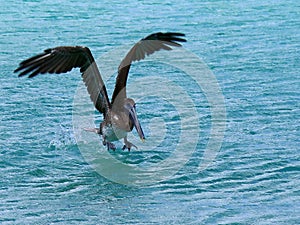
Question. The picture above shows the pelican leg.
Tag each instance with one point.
(94, 130)
(128, 144)
(109, 145)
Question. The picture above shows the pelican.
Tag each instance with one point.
(119, 114)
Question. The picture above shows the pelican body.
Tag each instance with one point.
(119, 114)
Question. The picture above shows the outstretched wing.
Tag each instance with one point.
(139, 51)
(64, 59)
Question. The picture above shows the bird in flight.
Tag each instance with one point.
(119, 114)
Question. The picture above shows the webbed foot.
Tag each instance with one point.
(128, 145)
(110, 146)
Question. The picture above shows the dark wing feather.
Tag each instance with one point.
(64, 59)
(139, 51)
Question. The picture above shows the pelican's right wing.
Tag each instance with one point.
(152, 43)
(65, 58)
(146, 46)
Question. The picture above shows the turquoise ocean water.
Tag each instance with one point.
(252, 47)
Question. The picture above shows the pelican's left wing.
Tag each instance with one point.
(139, 51)
(63, 59)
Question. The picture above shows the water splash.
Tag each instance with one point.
(64, 137)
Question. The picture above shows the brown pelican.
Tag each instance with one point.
(120, 114)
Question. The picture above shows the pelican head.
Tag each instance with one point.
(129, 106)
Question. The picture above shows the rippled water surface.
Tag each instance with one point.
(252, 47)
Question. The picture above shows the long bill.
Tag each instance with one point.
(136, 123)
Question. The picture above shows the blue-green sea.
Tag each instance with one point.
(253, 50)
